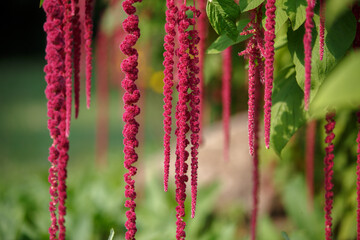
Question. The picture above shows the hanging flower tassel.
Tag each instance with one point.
(168, 63)
(77, 54)
(226, 99)
(195, 106)
(88, 41)
(67, 23)
(358, 177)
(307, 48)
(182, 117)
(269, 65)
(131, 97)
(54, 72)
(202, 22)
(322, 29)
(329, 164)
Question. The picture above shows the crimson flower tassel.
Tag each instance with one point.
(195, 107)
(55, 93)
(310, 152)
(307, 48)
(170, 28)
(226, 99)
(358, 178)
(130, 98)
(329, 164)
(182, 117)
(202, 46)
(269, 65)
(67, 22)
(88, 40)
(77, 54)
(322, 28)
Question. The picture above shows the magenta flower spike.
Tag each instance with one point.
(182, 117)
(88, 41)
(226, 99)
(358, 178)
(195, 100)
(77, 55)
(307, 48)
(252, 95)
(131, 110)
(169, 45)
(203, 31)
(67, 24)
(329, 164)
(269, 66)
(322, 28)
(255, 156)
(54, 76)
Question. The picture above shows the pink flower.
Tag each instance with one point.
(322, 28)
(195, 100)
(77, 54)
(182, 117)
(202, 45)
(269, 65)
(131, 97)
(168, 63)
(329, 164)
(88, 40)
(226, 99)
(358, 178)
(307, 48)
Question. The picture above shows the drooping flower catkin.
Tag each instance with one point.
(88, 40)
(307, 48)
(226, 99)
(67, 24)
(358, 176)
(195, 100)
(130, 98)
(329, 164)
(77, 55)
(182, 117)
(169, 45)
(203, 31)
(55, 93)
(322, 29)
(269, 65)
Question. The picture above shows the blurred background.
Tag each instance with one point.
(95, 184)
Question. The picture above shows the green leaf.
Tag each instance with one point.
(246, 5)
(41, 2)
(337, 41)
(288, 113)
(222, 16)
(342, 88)
(296, 10)
(223, 41)
(112, 233)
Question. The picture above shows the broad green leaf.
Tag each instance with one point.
(222, 16)
(288, 113)
(335, 8)
(41, 2)
(223, 41)
(296, 10)
(337, 41)
(246, 5)
(342, 87)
